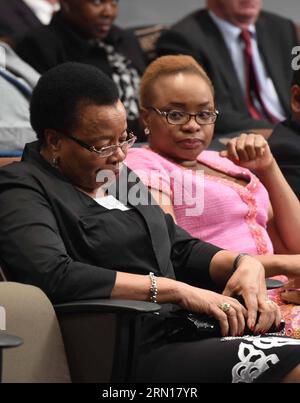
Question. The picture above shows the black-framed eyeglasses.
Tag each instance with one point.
(175, 117)
(104, 151)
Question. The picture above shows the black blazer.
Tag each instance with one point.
(16, 18)
(285, 146)
(48, 46)
(57, 43)
(198, 35)
(59, 239)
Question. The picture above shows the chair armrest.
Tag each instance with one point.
(8, 341)
(107, 306)
(101, 337)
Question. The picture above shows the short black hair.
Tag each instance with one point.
(296, 77)
(60, 92)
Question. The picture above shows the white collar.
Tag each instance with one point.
(230, 31)
(43, 9)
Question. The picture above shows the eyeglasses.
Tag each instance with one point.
(102, 2)
(181, 118)
(105, 151)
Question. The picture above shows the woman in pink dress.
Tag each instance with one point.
(238, 199)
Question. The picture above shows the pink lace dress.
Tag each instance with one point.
(216, 209)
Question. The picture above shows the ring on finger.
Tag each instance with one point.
(225, 306)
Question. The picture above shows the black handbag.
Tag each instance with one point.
(186, 326)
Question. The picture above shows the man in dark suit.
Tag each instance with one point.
(216, 38)
(83, 31)
(285, 140)
(16, 18)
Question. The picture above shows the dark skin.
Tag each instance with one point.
(190, 94)
(91, 18)
(99, 126)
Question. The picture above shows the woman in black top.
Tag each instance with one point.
(76, 223)
(84, 31)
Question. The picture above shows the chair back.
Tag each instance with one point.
(30, 315)
(148, 36)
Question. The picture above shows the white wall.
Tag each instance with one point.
(143, 12)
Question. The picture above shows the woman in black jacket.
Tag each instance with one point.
(75, 222)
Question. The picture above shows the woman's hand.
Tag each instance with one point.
(231, 317)
(250, 151)
(248, 281)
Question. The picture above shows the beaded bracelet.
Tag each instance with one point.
(153, 289)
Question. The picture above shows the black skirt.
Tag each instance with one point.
(245, 359)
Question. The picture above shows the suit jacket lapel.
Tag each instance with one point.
(221, 56)
(76, 47)
(272, 60)
(137, 195)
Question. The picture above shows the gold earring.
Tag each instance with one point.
(55, 161)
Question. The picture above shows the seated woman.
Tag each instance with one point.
(68, 226)
(84, 31)
(215, 199)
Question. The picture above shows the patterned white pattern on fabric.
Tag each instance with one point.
(126, 78)
(253, 361)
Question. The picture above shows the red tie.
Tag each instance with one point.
(252, 83)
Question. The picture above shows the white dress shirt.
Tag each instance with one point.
(42, 9)
(235, 45)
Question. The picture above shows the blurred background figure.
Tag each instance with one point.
(43, 9)
(285, 140)
(18, 16)
(17, 80)
(247, 58)
(84, 31)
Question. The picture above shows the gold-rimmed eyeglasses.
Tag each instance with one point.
(105, 151)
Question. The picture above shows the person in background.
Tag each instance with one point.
(285, 140)
(216, 199)
(17, 80)
(84, 31)
(43, 9)
(64, 230)
(246, 57)
(19, 16)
